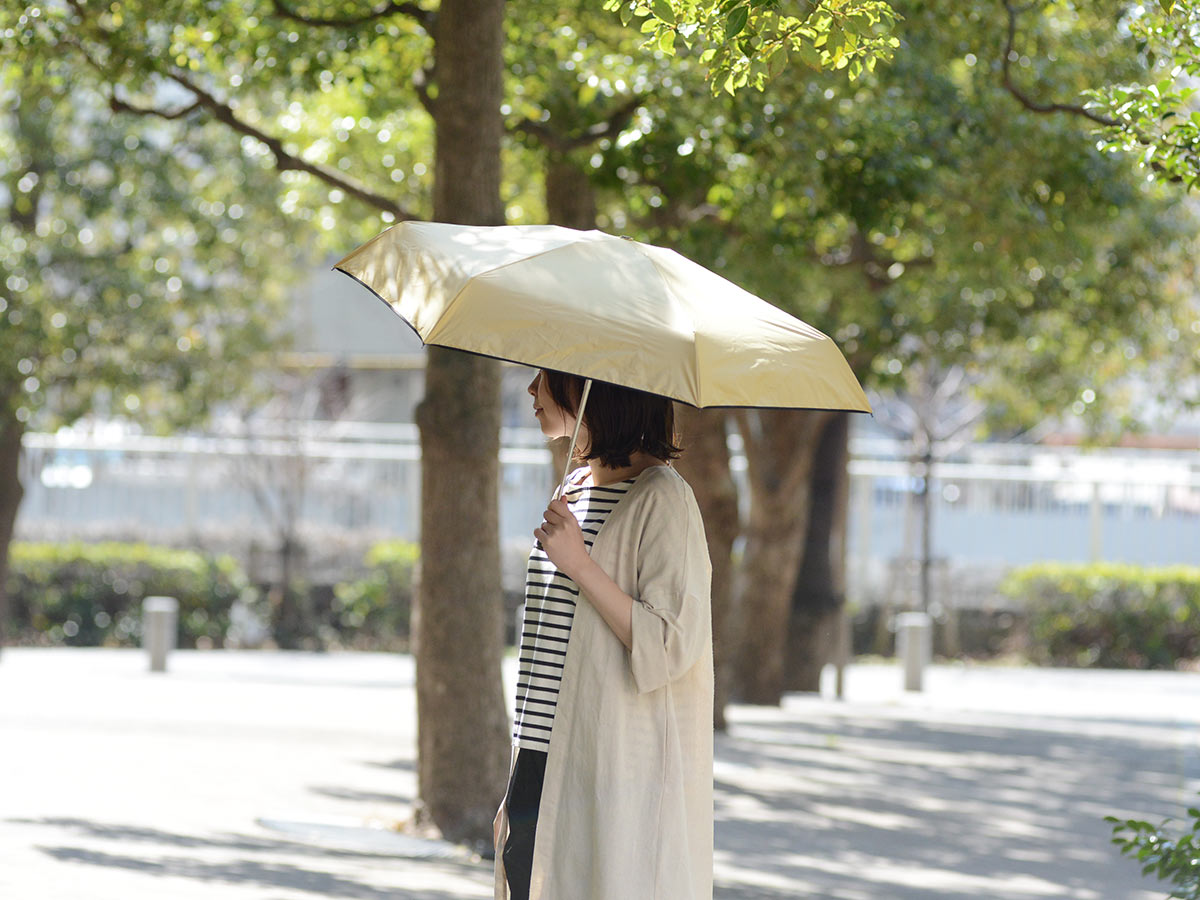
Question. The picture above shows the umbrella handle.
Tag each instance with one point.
(562, 485)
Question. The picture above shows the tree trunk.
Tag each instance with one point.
(570, 197)
(294, 625)
(570, 202)
(705, 465)
(927, 529)
(11, 492)
(820, 596)
(780, 448)
(463, 731)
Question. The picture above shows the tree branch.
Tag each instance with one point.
(421, 81)
(1023, 98)
(117, 105)
(863, 254)
(223, 112)
(612, 126)
(284, 160)
(423, 16)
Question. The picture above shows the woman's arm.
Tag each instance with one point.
(562, 539)
(614, 605)
(668, 629)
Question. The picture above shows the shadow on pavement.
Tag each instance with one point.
(356, 796)
(271, 871)
(874, 807)
(239, 842)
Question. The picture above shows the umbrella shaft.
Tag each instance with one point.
(562, 484)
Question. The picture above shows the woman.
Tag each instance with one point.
(610, 793)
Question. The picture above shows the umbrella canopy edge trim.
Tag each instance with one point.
(382, 300)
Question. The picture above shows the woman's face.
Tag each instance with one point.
(553, 418)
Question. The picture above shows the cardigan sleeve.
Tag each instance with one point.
(671, 623)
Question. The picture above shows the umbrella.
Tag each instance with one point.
(605, 308)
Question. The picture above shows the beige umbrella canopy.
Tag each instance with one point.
(604, 308)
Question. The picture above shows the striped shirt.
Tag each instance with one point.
(550, 598)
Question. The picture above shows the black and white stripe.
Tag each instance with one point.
(550, 598)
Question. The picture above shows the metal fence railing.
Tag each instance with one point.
(342, 486)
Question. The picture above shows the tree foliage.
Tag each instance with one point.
(339, 103)
(747, 42)
(1156, 116)
(919, 212)
(130, 285)
(1169, 851)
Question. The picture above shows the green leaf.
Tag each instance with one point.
(736, 22)
(835, 44)
(664, 11)
(857, 24)
(810, 55)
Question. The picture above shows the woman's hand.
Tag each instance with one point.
(562, 538)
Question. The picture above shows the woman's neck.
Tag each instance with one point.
(638, 461)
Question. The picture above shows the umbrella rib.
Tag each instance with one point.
(445, 316)
(667, 292)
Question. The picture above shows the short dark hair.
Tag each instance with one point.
(620, 420)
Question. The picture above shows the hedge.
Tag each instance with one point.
(1109, 615)
(374, 611)
(90, 595)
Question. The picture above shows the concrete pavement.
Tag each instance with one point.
(275, 776)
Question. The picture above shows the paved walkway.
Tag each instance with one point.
(274, 775)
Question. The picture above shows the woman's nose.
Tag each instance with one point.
(533, 385)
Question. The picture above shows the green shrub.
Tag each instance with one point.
(90, 595)
(1169, 856)
(373, 612)
(1110, 615)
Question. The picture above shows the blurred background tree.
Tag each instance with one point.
(352, 110)
(128, 288)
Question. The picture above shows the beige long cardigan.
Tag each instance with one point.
(627, 802)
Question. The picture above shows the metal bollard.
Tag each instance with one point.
(160, 617)
(914, 646)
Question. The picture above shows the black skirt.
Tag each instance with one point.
(521, 802)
